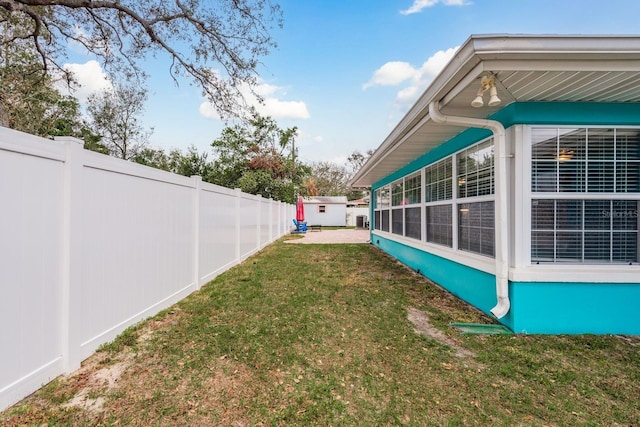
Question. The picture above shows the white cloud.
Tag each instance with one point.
(277, 109)
(306, 139)
(391, 74)
(408, 94)
(207, 110)
(272, 106)
(90, 78)
(419, 5)
(395, 73)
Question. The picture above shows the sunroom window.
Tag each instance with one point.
(397, 200)
(413, 213)
(381, 214)
(400, 206)
(585, 195)
(438, 190)
(406, 193)
(475, 170)
(476, 184)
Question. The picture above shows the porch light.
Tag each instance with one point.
(493, 96)
(488, 83)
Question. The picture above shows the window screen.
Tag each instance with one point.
(476, 170)
(439, 226)
(396, 221)
(413, 189)
(397, 193)
(584, 231)
(412, 223)
(438, 181)
(385, 220)
(585, 160)
(476, 228)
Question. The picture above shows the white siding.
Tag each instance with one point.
(335, 214)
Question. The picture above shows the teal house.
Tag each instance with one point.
(514, 182)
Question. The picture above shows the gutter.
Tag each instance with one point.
(501, 209)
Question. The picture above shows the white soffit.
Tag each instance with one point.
(527, 69)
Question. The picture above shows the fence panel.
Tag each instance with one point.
(218, 221)
(31, 260)
(265, 218)
(91, 245)
(248, 224)
(133, 250)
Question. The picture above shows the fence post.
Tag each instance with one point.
(70, 342)
(238, 194)
(197, 188)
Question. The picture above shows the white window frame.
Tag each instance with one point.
(474, 199)
(523, 270)
(449, 202)
(477, 261)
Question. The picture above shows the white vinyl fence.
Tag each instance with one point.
(90, 245)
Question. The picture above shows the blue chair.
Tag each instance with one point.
(301, 227)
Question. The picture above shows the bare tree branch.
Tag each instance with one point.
(217, 44)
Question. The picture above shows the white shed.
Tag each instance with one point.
(326, 211)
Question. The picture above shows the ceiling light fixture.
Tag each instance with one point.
(565, 155)
(488, 83)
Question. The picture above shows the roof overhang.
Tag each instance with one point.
(548, 68)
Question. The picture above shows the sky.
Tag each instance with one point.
(346, 71)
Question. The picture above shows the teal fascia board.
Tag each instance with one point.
(529, 113)
(575, 308)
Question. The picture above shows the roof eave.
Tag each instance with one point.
(479, 54)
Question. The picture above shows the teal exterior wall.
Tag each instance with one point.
(575, 308)
(536, 307)
(475, 287)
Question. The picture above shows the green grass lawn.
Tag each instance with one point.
(319, 335)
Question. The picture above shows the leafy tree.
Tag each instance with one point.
(257, 157)
(187, 164)
(194, 163)
(29, 101)
(329, 179)
(113, 116)
(357, 159)
(92, 141)
(158, 158)
(197, 36)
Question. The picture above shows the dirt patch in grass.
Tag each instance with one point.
(420, 321)
(96, 380)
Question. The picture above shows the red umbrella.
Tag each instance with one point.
(300, 210)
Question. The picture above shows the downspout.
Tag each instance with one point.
(501, 209)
